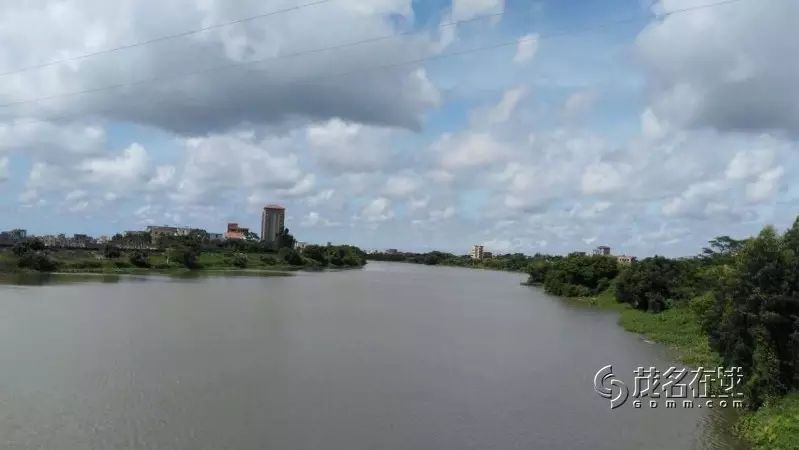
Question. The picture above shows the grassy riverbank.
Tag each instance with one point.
(775, 426)
(179, 259)
(677, 328)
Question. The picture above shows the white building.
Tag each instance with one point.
(477, 252)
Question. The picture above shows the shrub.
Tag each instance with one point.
(290, 256)
(240, 260)
(109, 251)
(650, 285)
(140, 259)
(269, 260)
(37, 261)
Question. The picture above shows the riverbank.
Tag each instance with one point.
(178, 260)
(775, 426)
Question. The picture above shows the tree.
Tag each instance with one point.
(240, 260)
(579, 276)
(250, 236)
(651, 284)
(316, 253)
(186, 255)
(110, 251)
(290, 256)
(37, 261)
(139, 259)
(36, 244)
(285, 239)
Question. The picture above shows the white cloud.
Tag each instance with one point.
(401, 185)
(526, 49)
(747, 164)
(377, 210)
(275, 89)
(766, 185)
(469, 150)
(468, 9)
(313, 219)
(731, 67)
(503, 110)
(579, 104)
(349, 147)
(602, 178)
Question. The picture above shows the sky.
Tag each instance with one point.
(526, 126)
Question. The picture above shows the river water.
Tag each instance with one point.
(394, 357)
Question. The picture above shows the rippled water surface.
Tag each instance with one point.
(391, 357)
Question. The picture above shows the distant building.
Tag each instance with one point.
(157, 232)
(488, 255)
(392, 251)
(103, 239)
(299, 246)
(477, 252)
(235, 232)
(216, 237)
(577, 254)
(272, 222)
(626, 260)
(14, 235)
(602, 251)
(19, 234)
(80, 241)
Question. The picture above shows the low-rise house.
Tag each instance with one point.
(235, 232)
(602, 250)
(626, 260)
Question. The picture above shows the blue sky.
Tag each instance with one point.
(599, 123)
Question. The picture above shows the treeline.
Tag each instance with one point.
(744, 293)
(516, 262)
(193, 252)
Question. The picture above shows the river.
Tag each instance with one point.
(394, 356)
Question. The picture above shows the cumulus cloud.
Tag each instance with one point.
(729, 67)
(266, 85)
(349, 147)
(469, 150)
(217, 165)
(377, 210)
(526, 49)
(468, 9)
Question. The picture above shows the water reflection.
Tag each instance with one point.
(43, 278)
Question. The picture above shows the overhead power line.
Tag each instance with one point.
(416, 61)
(163, 38)
(235, 65)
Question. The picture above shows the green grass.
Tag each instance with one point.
(677, 328)
(774, 426)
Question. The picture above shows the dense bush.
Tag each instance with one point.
(188, 256)
(290, 256)
(335, 255)
(578, 276)
(32, 245)
(110, 251)
(269, 260)
(139, 259)
(240, 260)
(36, 260)
(651, 284)
(753, 320)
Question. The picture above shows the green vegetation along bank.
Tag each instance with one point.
(174, 254)
(736, 304)
(513, 262)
